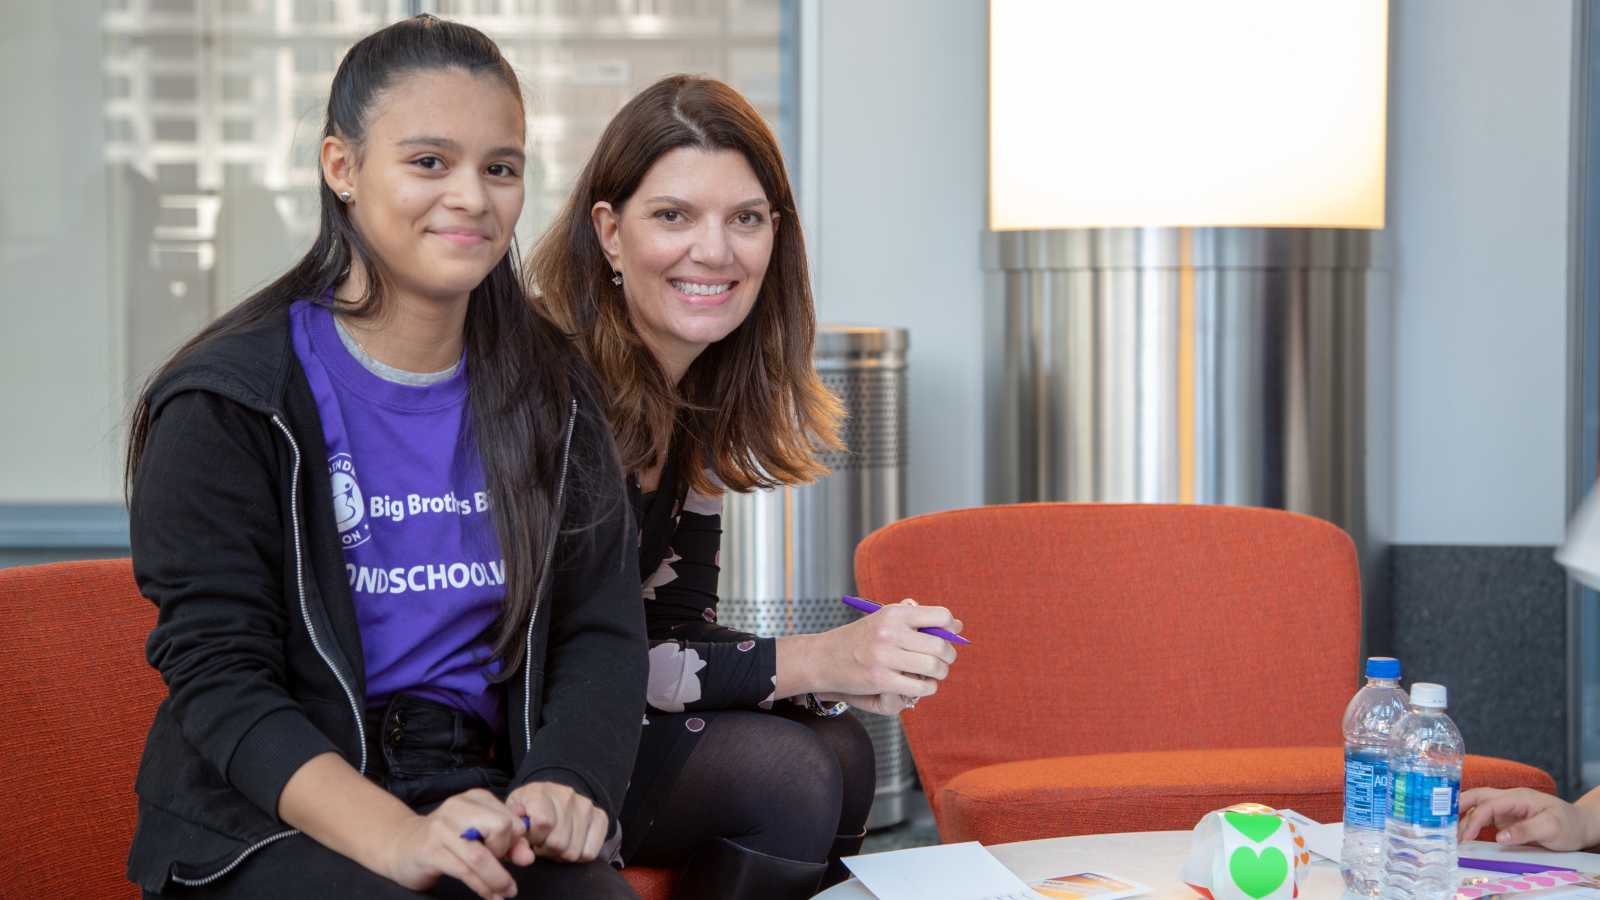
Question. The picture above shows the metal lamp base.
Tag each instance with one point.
(1245, 366)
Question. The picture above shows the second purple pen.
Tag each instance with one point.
(867, 606)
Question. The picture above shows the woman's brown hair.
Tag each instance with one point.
(750, 412)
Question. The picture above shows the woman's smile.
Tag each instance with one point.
(702, 293)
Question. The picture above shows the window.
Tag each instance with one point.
(174, 47)
(236, 87)
(236, 175)
(314, 60)
(178, 177)
(315, 12)
(173, 87)
(185, 175)
(307, 149)
(184, 131)
(309, 107)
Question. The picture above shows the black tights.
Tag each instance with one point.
(782, 783)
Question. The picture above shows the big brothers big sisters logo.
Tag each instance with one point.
(349, 511)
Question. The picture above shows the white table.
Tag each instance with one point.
(1154, 858)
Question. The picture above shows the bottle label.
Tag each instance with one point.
(1444, 802)
(1427, 801)
(1366, 789)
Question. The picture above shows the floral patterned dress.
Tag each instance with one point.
(697, 667)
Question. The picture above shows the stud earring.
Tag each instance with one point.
(616, 278)
(345, 196)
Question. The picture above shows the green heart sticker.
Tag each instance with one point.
(1255, 826)
(1258, 876)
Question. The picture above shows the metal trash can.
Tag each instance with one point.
(788, 554)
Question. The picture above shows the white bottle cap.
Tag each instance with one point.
(1428, 696)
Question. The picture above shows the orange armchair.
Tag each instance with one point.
(83, 699)
(1133, 666)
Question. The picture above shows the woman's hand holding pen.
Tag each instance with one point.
(880, 663)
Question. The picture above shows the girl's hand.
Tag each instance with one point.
(563, 824)
(338, 808)
(426, 847)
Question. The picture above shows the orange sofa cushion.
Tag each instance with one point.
(1162, 791)
(651, 882)
(82, 698)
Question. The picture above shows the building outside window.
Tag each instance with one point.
(168, 167)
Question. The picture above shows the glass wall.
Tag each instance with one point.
(160, 162)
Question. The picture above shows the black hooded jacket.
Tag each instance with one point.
(234, 538)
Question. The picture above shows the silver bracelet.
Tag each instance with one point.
(827, 712)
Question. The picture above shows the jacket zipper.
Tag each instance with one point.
(305, 615)
(544, 577)
(201, 882)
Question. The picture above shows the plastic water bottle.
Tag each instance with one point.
(1367, 721)
(1425, 756)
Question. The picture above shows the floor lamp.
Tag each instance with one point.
(1187, 278)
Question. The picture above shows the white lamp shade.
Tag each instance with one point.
(1109, 113)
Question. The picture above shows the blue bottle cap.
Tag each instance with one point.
(1383, 667)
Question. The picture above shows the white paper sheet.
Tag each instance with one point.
(1326, 841)
(1089, 886)
(943, 872)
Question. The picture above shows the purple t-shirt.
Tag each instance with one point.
(419, 544)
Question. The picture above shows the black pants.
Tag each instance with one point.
(423, 753)
(300, 868)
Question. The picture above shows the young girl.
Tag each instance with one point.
(679, 264)
(383, 520)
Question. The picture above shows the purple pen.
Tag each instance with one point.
(867, 606)
(472, 834)
(1508, 867)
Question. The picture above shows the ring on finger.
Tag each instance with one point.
(910, 702)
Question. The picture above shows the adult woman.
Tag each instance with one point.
(446, 641)
(679, 264)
